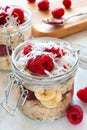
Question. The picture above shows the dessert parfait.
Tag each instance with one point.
(47, 67)
(15, 25)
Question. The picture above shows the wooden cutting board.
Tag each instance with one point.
(72, 26)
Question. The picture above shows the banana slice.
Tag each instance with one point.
(54, 101)
(45, 94)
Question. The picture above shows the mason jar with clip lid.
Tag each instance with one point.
(43, 75)
(14, 29)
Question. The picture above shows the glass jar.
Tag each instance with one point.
(51, 95)
(11, 36)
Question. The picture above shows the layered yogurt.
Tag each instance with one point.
(48, 69)
(15, 27)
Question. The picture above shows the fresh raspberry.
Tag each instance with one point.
(31, 65)
(31, 1)
(39, 64)
(58, 12)
(30, 95)
(82, 94)
(75, 114)
(27, 49)
(3, 50)
(19, 14)
(57, 51)
(43, 5)
(3, 16)
(67, 3)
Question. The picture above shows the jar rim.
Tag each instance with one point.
(36, 78)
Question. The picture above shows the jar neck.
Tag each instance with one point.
(45, 81)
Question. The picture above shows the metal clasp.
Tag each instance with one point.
(14, 84)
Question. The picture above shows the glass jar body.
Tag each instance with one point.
(11, 36)
(47, 97)
(54, 106)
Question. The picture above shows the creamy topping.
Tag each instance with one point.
(11, 16)
(62, 63)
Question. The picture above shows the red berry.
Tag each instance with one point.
(75, 114)
(30, 95)
(31, 1)
(27, 49)
(67, 3)
(57, 51)
(39, 64)
(19, 14)
(82, 94)
(31, 65)
(3, 50)
(43, 4)
(58, 12)
(3, 16)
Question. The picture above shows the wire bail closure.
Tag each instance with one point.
(22, 98)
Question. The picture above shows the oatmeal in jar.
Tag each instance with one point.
(47, 67)
(15, 27)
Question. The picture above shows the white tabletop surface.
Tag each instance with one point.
(21, 122)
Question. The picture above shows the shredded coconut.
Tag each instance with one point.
(67, 59)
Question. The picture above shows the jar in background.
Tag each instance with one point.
(51, 95)
(11, 36)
